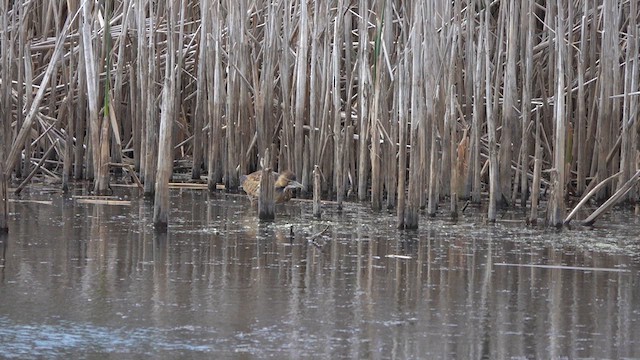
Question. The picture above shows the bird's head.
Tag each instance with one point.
(286, 181)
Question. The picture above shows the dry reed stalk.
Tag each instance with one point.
(96, 127)
(556, 202)
(340, 168)
(451, 165)
(33, 172)
(605, 80)
(388, 121)
(509, 115)
(620, 193)
(469, 66)
(14, 153)
(449, 143)
(363, 99)
(5, 116)
(313, 96)
(4, 198)
(613, 164)
(6, 61)
(391, 163)
(264, 97)
(191, 186)
(588, 48)
(391, 153)
(537, 172)
(101, 186)
(141, 90)
(150, 115)
(235, 38)
(430, 131)
(338, 141)
(416, 136)
(301, 86)
(581, 121)
(119, 120)
(284, 114)
(494, 185)
(374, 115)
(202, 92)
(215, 97)
(161, 205)
(25, 201)
(433, 174)
(525, 109)
(571, 145)
(350, 81)
(245, 115)
(453, 206)
(402, 88)
(588, 196)
(68, 148)
(630, 106)
(317, 179)
(266, 198)
(324, 152)
(349, 160)
(183, 99)
(306, 164)
(19, 16)
(473, 180)
(104, 202)
(80, 119)
(135, 142)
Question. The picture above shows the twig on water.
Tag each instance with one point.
(313, 237)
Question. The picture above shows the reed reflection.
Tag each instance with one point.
(221, 282)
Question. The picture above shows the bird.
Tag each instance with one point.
(284, 183)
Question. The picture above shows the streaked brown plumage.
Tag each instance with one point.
(284, 184)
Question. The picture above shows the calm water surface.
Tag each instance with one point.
(94, 281)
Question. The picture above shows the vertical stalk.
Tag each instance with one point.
(301, 86)
(167, 117)
(491, 128)
(556, 203)
(363, 100)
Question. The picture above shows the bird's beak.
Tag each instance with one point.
(294, 185)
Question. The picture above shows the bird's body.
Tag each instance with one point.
(284, 183)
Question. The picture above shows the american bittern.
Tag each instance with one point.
(284, 184)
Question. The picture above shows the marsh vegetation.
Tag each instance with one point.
(401, 104)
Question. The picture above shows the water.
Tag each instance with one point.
(95, 281)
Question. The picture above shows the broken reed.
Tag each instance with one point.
(437, 97)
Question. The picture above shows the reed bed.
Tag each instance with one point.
(402, 104)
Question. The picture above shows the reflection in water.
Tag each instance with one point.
(83, 280)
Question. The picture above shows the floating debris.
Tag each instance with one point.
(104, 202)
(394, 256)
